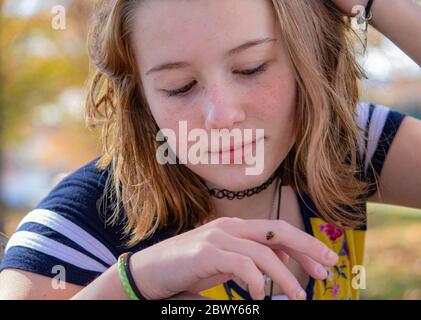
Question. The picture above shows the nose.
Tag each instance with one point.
(223, 108)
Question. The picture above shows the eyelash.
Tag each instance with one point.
(247, 73)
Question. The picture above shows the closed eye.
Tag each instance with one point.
(180, 91)
(250, 72)
(185, 89)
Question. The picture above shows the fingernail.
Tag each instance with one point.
(301, 295)
(322, 271)
(329, 254)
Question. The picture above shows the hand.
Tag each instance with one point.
(398, 20)
(226, 247)
(347, 5)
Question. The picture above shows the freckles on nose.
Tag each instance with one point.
(213, 116)
(225, 117)
(221, 113)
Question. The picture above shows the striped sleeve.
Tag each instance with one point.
(380, 125)
(65, 230)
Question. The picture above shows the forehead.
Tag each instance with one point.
(167, 28)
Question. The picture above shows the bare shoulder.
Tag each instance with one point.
(400, 178)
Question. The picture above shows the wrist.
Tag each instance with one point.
(126, 278)
(142, 278)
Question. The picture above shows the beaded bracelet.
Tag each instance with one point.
(126, 277)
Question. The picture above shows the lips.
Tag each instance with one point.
(233, 148)
(237, 154)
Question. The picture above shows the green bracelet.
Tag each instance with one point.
(124, 280)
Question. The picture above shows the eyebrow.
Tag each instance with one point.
(236, 50)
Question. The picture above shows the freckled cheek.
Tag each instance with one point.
(166, 112)
(275, 100)
(169, 116)
(163, 113)
(171, 119)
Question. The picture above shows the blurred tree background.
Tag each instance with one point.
(43, 72)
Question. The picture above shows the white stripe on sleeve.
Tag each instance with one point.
(72, 231)
(55, 249)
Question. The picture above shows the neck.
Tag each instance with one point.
(258, 206)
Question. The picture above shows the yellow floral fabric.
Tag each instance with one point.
(348, 244)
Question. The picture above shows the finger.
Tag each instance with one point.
(243, 267)
(267, 261)
(281, 254)
(284, 234)
(313, 268)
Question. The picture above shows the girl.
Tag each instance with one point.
(294, 230)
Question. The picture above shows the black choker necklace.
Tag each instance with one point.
(230, 195)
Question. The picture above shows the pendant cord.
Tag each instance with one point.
(277, 218)
(278, 210)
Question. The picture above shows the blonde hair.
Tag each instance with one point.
(322, 163)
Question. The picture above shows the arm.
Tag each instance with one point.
(22, 285)
(211, 255)
(17, 285)
(400, 179)
(399, 20)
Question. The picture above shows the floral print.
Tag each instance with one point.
(331, 231)
(347, 243)
(338, 283)
(335, 289)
